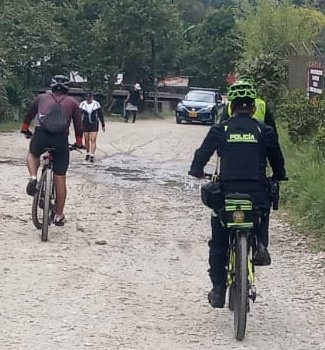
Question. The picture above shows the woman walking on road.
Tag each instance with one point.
(132, 102)
(92, 113)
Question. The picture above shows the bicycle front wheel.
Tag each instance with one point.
(46, 211)
(38, 203)
(241, 287)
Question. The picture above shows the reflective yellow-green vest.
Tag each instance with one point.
(260, 109)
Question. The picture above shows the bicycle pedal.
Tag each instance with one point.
(252, 294)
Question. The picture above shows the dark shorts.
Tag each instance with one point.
(90, 127)
(42, 140)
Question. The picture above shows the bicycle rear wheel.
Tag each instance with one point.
(46, 211)
(231, 297)
(241, 287)
(38, 203)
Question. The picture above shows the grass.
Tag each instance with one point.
(9, 125)
(304, 195)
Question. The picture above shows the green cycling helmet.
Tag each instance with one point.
(241, 89)
(248, 79)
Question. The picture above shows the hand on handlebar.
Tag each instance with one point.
(28, 134)
(280, 178)
(78, 146)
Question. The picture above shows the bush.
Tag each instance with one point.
(268, 72)
(304, 120)
(304, 194)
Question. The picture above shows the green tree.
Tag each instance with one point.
(271, 27)
(212, 49)
(138, 37)
(26, 43)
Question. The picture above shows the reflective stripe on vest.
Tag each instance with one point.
(260, 110)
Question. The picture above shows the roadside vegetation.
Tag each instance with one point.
(303, 139)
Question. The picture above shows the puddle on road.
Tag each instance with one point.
(134, 172)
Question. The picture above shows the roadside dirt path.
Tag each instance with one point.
(146, 287)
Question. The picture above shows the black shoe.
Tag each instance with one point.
(217, 296)
(59, 220)
(87, 157)
(262, 256)
(92, 159)
(31, 188)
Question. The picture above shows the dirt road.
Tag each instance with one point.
(146, 288)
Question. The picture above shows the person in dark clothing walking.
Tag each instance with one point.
(244, 146)
(132, 102)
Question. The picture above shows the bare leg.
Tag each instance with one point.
(93, 138)
(87, 143)
(33, 163)
(61, 193)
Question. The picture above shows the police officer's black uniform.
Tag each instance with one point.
(244, 146)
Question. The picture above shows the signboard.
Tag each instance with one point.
(315, 81)
(174, 81)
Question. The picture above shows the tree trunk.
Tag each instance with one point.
(154, 71)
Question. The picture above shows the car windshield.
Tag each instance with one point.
(199, 97)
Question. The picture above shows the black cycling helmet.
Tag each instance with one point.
(60, 83)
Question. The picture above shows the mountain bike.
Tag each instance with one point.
(242, 219)
(43, 207)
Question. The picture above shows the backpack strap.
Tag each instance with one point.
(60, 100)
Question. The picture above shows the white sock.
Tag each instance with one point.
(33, 177)
(92, 155)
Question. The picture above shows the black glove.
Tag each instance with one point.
(78, 146)
(28, 134)
(282, 177)
(194, 174)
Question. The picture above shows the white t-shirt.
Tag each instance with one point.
(89, 107)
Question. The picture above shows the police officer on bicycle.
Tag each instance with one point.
(244, 145)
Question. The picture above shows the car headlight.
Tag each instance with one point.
(207, 109)
(179, 107)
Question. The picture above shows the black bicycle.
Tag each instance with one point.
(43, 207)
(242, 220)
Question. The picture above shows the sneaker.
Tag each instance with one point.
(59, 220)
(92, 159)
(31, 188)
(87, 158)
(217, 296)
(262, 256)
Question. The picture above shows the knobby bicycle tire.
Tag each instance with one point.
(36, 201)
(231, 297)
(46, 210)
(241, 287)
(231, 281)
